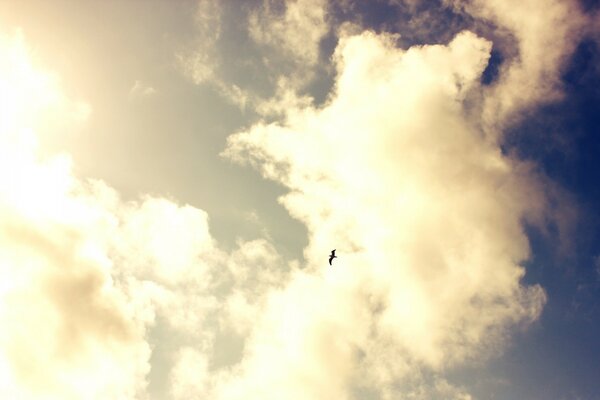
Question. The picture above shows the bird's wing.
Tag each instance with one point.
(330, 258)
(333, 252)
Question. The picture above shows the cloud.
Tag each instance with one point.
(99, 295)
(282, 48)
(140, 89)
(426, 216)
(297, 31)
(190, 374)
(202, 63)
(95, 290)
(546, 33)
(289, 35)
(60, 312)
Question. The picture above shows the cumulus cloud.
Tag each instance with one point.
(288, 36)
(394, 170)
(426, 216)
(87, 278)
(60, 312)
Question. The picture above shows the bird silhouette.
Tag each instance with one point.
(332, 256)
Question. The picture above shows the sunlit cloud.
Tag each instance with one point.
(426, 216)
(543, 42)
(86, 276)
(66, 328)
(399, 168)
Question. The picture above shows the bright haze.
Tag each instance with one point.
(175, 174)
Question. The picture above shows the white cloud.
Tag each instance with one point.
(286, 98)
(546, 33)
(425, 212)
(426, 216)
(255, 269)
(189, 377)
(288, 37)
(293, 31)
(86, 278)
(60, 311)
(202, 63)
(297, 31)
(203, 60)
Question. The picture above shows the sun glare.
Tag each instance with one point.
(31, 98)
(32, 104)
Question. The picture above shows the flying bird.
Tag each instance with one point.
(332, 256)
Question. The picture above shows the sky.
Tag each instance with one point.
(174, 175)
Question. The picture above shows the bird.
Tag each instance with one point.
(332, 256)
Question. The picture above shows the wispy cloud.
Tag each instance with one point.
(286, 36)
(297, 31)
(140, 89)
(202, 63)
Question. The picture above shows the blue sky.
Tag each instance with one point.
(565, 342)
(175, 175)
